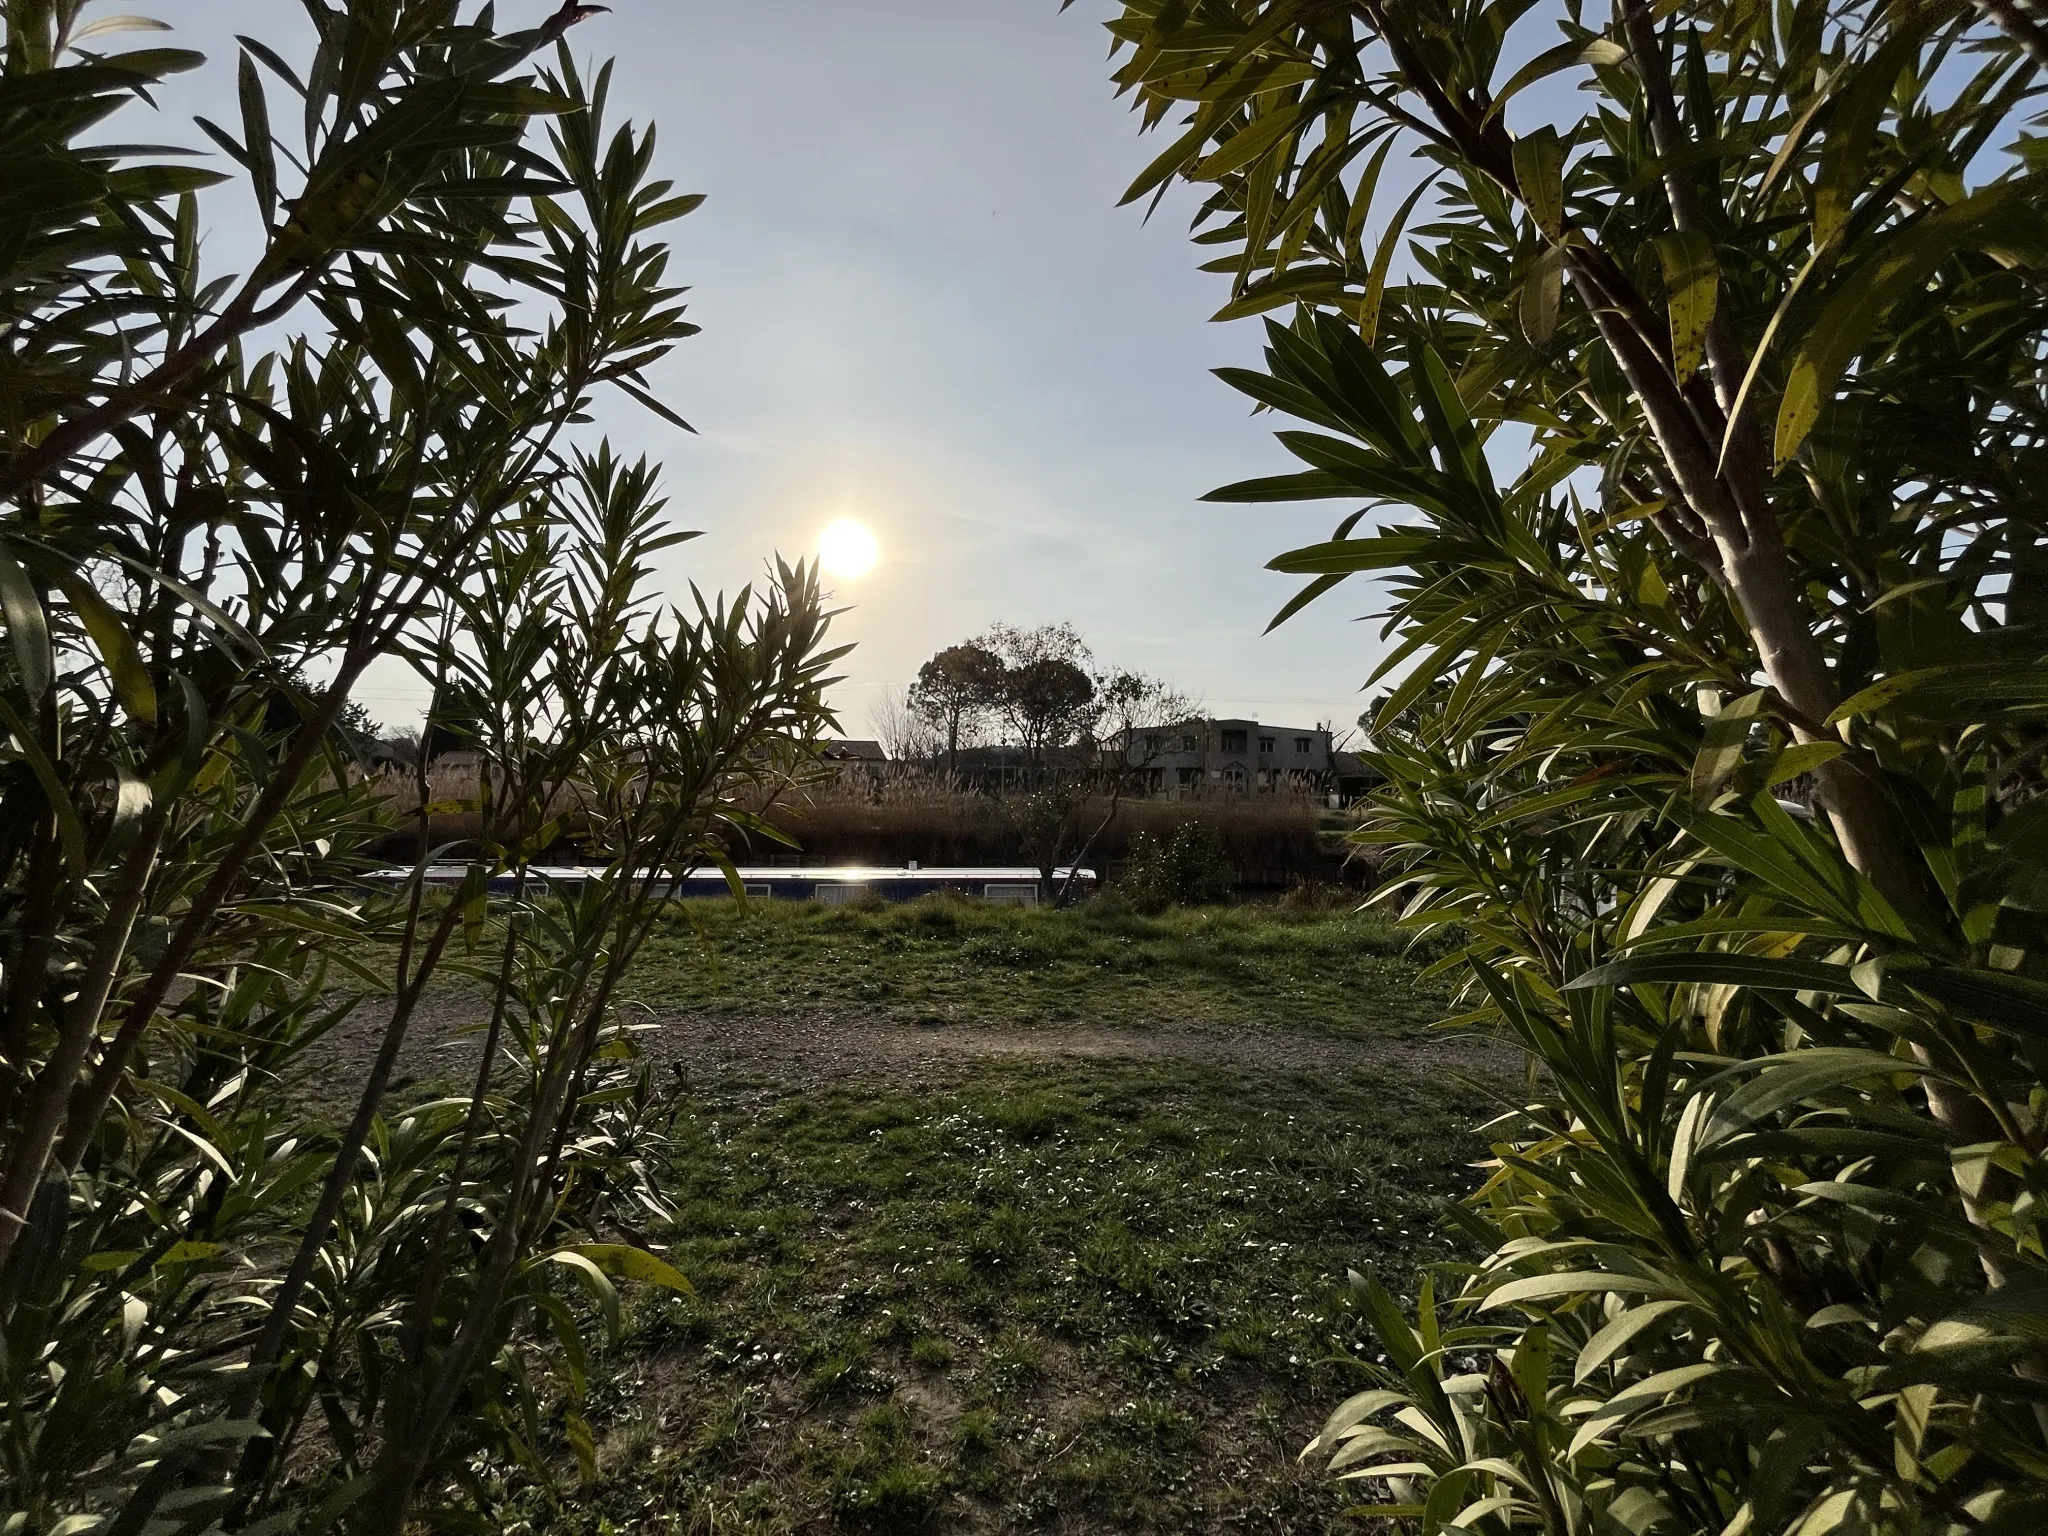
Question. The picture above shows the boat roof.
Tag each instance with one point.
(852, 874)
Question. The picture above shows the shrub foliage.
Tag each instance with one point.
(1717, 732)
(1185, 867)
(226, 496)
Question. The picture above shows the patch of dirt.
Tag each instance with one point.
(809, 1050)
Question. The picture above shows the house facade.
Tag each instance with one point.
(1230, 757)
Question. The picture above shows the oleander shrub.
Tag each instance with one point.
(1696, 435)
(246, 1281)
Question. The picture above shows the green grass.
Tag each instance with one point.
(1065, 1296)
(1072, 1294)
(1260, 967)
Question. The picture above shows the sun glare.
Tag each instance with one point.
(847, 548)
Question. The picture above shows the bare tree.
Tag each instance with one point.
(1134, 712)
(905, 732)
(1063, 816)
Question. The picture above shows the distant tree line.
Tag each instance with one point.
(1087, 733)
(1041, 690)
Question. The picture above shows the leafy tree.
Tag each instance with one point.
(1047, 696)
(1091, 733)
(216, 485)
(1768, 311)
(957, 690)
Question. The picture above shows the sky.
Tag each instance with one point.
(923, 309)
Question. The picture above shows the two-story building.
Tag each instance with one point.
(1230, 756)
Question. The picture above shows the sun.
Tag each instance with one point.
(847, 548)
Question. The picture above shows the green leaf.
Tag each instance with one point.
(1852, 130)
(1615, 1336)
(1254, 139)
(2014, 1005)
(594, 1280)
(1302, 599)
(1794, 1078)
(107, 24)
(1721, 749)
(1543, 294)
(256, 142)
(1354, 1410)
(70, 830)
(1317, 485)
(1167, 164)
(1382, 260)
(151, 1448)
(1718, 968)
(654, 405)
(2014, 1315)
(1384, 551)
(1643, 1394)
(28, 628)
(1370, 1440)
(2005, 215)
(155, 63)
(1361, 201)
(1578, 1282)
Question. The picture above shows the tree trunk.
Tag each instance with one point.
(1864, 821)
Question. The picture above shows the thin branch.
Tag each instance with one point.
(2016, 24)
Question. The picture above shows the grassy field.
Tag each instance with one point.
(1015, 1294)
(1102, 1297)
(1065, 1266)
(1307, 969)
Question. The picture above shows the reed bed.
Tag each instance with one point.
(1271, 840)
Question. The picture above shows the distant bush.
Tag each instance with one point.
(1187, 868)
(1318, 896)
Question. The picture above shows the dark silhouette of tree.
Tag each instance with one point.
(1049, 696)
(957, 690)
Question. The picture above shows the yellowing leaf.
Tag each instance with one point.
(1539, 173)
(1721, 749)
(125, 667)
(1542, 294)
(630, 1263)
(1692, 285)
(1600, 53)
(1803, 758)
(188, 1251)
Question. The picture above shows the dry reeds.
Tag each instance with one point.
(1271, 840)
(896, 816)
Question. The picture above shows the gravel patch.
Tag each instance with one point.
(810, 1049)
